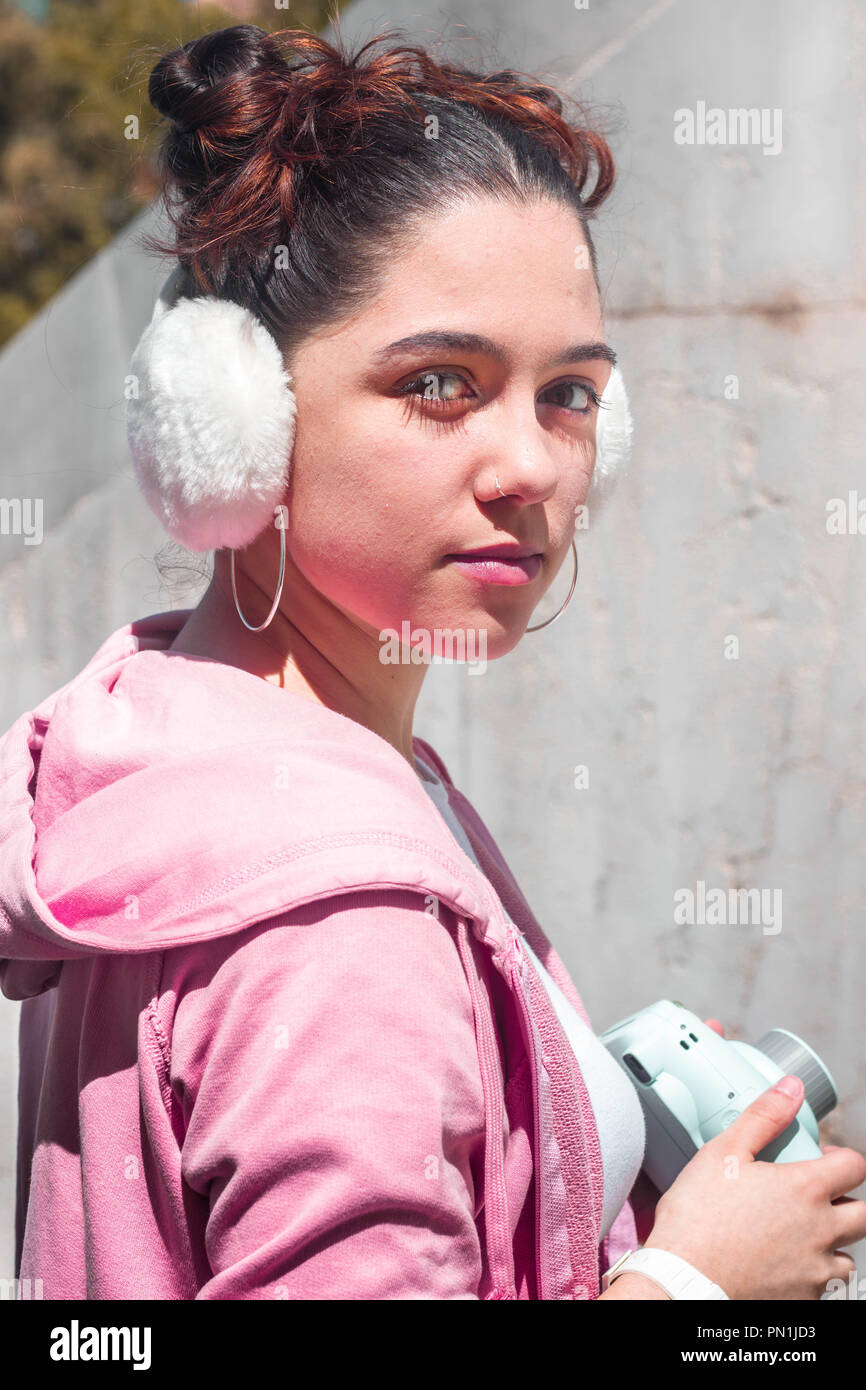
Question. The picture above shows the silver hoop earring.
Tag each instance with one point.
(279, 592)
(562, 609)
(496, 480)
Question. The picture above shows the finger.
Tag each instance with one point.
(715, 1025)
(846, 1261)
(849, 1223)
(764, 1119)
(843, 1265)
(840, 1171)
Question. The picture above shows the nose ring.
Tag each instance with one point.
(496, 477)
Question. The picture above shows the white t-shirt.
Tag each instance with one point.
(618, 1113)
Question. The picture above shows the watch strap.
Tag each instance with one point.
(676, 1276)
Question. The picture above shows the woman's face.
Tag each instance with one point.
(398, 448)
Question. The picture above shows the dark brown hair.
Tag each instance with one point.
(284, 140)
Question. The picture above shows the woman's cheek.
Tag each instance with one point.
(368, 524)
(361, 568)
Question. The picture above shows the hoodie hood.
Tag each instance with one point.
(140, 808)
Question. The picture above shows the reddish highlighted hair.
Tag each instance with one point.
(294, 170)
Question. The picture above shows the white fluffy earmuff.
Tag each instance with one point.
(614, 431)
(211, 419)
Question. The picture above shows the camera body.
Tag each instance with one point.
(693, 1083)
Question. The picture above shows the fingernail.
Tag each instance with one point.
(791, 1086)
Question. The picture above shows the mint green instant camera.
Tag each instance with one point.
(692, 1084)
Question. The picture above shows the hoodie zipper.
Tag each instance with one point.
(497, 1225)
(515, 956)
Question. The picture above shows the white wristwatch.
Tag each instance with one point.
(675, 1275)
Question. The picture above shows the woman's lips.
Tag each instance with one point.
(488, 569)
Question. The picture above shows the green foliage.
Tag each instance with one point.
(78, 136)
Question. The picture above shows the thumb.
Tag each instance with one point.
(767, 1116)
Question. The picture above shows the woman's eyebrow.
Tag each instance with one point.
(436, 340)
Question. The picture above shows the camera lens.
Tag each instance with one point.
(796, 1058)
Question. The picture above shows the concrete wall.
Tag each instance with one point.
(734, 295)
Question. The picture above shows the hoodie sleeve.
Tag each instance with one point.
(326, 1066)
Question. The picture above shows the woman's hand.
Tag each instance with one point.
(763, 1230)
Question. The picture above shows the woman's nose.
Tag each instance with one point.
(522, 464)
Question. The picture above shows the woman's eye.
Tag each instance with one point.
(426, 386)
(437, 391)
(586, 398)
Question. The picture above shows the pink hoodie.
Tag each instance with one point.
(260, 979)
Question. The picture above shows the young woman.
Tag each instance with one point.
(290, 1029)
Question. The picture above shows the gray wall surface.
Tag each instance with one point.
(734, 294)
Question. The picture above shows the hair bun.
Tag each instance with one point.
(185, 86)
(284, 140)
